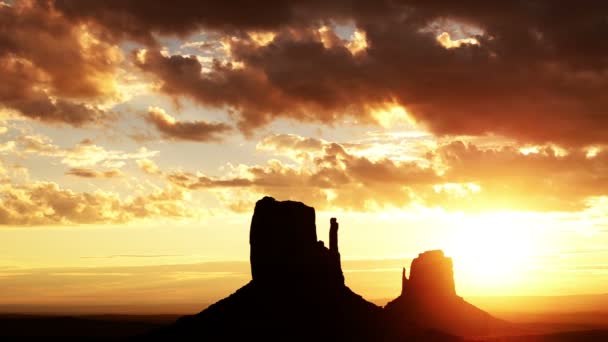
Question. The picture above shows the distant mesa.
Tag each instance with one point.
(297, 293)
(428, 300)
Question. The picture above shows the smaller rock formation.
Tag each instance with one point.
(333, 235)
(428, 300)
(431, 275)
(403, 282)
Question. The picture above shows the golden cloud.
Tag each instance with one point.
(91, 173)
(453, 176)
(45, 203)
(84, 154)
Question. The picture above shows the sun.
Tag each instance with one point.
(492, 251)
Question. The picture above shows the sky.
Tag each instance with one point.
(135, 140)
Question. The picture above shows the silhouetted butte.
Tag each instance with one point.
(297, 291)
(428, 300)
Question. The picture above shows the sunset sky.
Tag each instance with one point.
(135, 139)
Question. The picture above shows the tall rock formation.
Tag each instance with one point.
(284, 247)
(297, 291)
(428, 300)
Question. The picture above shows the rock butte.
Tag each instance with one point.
(297, 292)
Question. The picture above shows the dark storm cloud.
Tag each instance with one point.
(538, 74)
(136, 19)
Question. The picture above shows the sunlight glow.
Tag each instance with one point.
(492, 250)
(357, 43)
(391, 115)
(592, 151)
(457, 189)
(529, 150)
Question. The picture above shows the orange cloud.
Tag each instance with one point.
(510, 179)
(53, 71)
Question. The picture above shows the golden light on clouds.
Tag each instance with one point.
(392, 114)
(262, 38)
(447, 42)
(357, 42)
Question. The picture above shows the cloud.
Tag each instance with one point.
(272, 85)
(544, 181)
(85, 154)
(300, 78)
(200, 131)
(19, 93)
(454, 69)
(45, 203)
(447, 42)
(148, 166)
(91, 173)
(135, 20)
(54, 71)
(290, 142)
(455, 176)
(331, 178)
(527, 81)
(8, 146)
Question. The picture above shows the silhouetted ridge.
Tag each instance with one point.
(428, 300)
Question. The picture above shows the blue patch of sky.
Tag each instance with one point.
(344, 30)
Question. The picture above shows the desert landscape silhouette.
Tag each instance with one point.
(298, 293)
